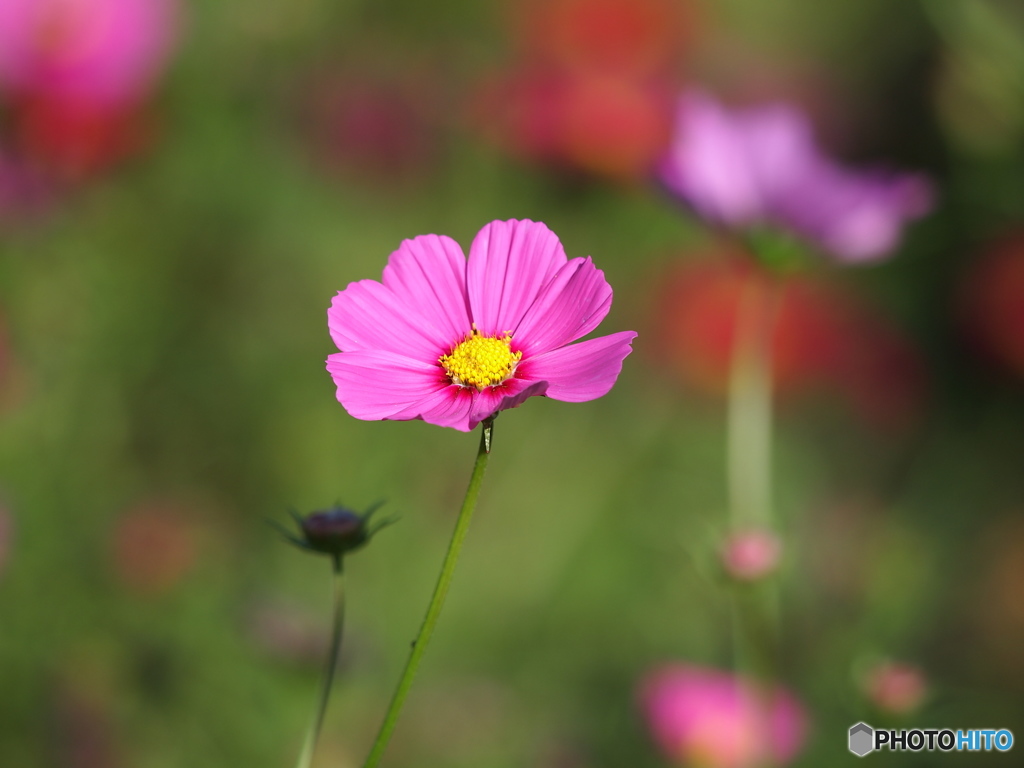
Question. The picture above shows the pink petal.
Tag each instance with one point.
(788, 726)
(462, 408)
(429, 273)
(779, 147)
(449, 406)
(509, 263)
(376, 385)
(856, 216)
(569, 307)
(707, 163)
(511, 394)
(369, 316)
(583, 371)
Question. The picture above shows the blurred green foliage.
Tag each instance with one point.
(167, 326)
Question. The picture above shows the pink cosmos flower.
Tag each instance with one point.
(760, 167)
(703, 717)
(453, 342)
(105, 51)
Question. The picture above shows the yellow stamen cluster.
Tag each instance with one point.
(481, 361)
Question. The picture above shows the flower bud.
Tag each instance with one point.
(751, 554)
(335, 531)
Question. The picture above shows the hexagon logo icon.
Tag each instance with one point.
(862, 738)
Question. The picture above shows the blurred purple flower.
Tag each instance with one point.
(760, 167)
(703, 717)
(106, 51)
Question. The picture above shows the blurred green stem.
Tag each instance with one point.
(419, 645)
(755, 606)
(750, 405)
(306, 756)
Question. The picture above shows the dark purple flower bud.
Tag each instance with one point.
(335, 531)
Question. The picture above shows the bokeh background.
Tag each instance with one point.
(171, 235)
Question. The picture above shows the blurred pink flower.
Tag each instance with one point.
(23, 191)
(751, 554)
(102, 51)
(453, 342)
(760, 167)
(895, 687)
(711, 719)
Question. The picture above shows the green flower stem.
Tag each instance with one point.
(306, 756)
(419, 645)
(755, 606)
(750, 406)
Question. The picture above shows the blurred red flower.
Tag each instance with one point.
(824, 339)
(154, 546)
(993, 302)
(592, 87)
(623, 36)
(613, 126)
(696, 321)
(77, 73)
(74, 140)
(603, 124)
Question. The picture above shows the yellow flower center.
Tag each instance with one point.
(481, 361)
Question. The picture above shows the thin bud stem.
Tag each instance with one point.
(313, 735)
